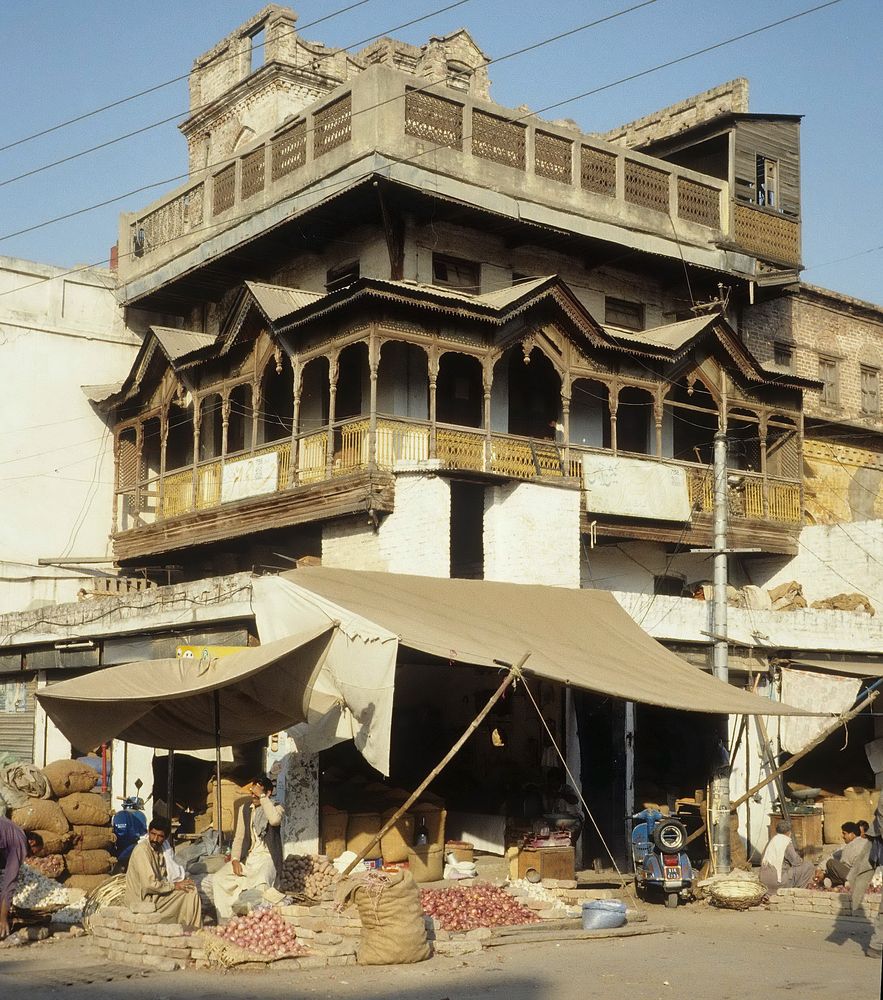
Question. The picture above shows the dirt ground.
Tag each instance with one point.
(707, 953)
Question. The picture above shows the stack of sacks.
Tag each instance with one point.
(232, 797)
(89, 860)
(29, 792)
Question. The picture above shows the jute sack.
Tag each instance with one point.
(86, 882)
(393, 931)
(67, 776)
(80, 862)
(93, 838)
(85, 809)
(54, 843)
(41, 814)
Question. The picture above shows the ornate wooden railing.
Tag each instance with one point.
(766, 234)
(325, 453)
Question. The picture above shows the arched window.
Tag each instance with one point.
(533, 393)
(211, 427)
(353, 379)
(315, 396)
(277, 401)
(239, 423)
(179, 442)
(743, 440)
(634, 421)
(403, 381)
(459, 391)
(690, 421)
(589, 414)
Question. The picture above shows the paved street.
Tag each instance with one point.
(709, 953)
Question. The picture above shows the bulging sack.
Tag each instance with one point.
(393, 929)
(85, 809)
(54, 843)
(88, 862)
(68, 776)
(93, 838)
(41, 814)
(87, 883)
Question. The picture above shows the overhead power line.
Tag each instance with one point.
(658, 67)
(164, 121)
(163, 84)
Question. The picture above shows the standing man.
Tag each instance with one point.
(256, 855)
(149, 888)
(13, 851)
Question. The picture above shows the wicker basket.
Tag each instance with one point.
(112, 893)
(736, 893)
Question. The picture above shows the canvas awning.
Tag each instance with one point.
(579, 637)
(850, 667)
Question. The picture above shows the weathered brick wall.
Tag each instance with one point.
(815, 322)
(415, 538)
(531, 534)
(140, 939)
(835, 904)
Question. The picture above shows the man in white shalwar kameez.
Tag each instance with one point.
(256, 855)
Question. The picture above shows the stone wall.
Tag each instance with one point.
(723, 99)
(835, 904)
(140, 939)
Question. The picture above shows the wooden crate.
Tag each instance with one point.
(547, 862)
(806, 831)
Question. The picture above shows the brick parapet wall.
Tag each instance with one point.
(835, 904)
(140, 939)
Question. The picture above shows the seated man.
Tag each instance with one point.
(781, 867)
(151, 889)
(256, 856)
(854, 852)
(15, 846)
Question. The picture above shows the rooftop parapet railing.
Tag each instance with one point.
(408, 124)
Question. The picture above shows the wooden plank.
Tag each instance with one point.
(540, 936)
(337, 497)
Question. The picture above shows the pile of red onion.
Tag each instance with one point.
(464, 908)
(263, 932)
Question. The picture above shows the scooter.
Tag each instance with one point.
(129, 826)
(660, 858)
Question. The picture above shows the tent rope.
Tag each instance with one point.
(625, 882)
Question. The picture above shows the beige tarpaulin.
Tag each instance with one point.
(579, 637)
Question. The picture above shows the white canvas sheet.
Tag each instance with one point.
(816, 693)
(631, 487)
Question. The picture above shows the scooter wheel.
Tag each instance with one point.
(671, 900)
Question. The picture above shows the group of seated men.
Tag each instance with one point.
(156, 883)
(781, 866)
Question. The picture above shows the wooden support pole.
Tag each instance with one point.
(823, 735)
(514, 672)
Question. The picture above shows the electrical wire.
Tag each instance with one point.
(373, 107)
(168, 83)
(529, 114)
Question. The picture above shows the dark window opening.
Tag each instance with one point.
(342, 275)
(210, 428)
(179, 442)
(352, 367)
(783, 355)
(534, 395)
(669, 586)
(767, 189)
(454, 272)
(239, 424)
(467, 531)
(694, 422)
(278, 401)
(460, 391)
(151, 448)
(634, 421)
(622, 313)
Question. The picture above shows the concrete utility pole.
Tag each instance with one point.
(720, 789)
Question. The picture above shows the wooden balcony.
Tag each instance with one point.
(347, 468)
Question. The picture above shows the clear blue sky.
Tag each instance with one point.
(63, 58)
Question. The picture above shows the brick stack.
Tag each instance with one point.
(832, 904)
(140, 939)
(331, 937)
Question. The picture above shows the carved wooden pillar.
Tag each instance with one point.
(115, 507)
(197, 421)
(762, 434)
(487, 383)
(257, 396)
(333, 372)
(163, 441)
(373, 368)
(225, 421)
(614, 406)
(565, 422)
(298, 386)
(658, 412)
(432, 370)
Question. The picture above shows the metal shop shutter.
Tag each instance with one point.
(17, 714)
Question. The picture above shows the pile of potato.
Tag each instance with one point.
(307, 875)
